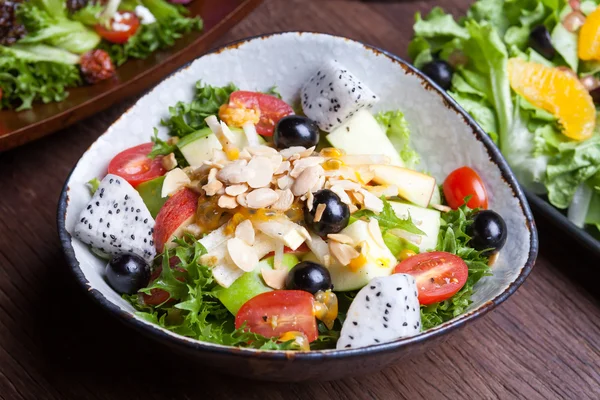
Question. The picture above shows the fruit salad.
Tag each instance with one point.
(261, 225)
(528, 73)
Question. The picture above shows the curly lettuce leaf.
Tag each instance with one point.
(30, 73)
(187, 118)
(396, 129)
(47, 22)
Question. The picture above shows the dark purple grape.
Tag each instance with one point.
(540, 41)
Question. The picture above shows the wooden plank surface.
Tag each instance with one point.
(543, 343)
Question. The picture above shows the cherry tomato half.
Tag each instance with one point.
(271, 109)
(463, 182)
(135, 167)
(123, 26)
(274, 313)
(439, 275)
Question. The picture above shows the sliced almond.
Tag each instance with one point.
(241, 199)
(375, 232)
(174, 180)
(310, 200)
(169, 162)
(285, 201)
(227, 202)
(290, 151)
(352, 208)
(441, 207)
(285, 182)
(233, 173)
(358, 197)
(364, 159)
(261, 150)
(345, 184)
(236, 190)
(307, 179)
(340, 237)
(261, 198)
(241, 254)
(319, 212)
(371, 201)
(278, 255)
(262, 172)
(212, 187)
(319, 185)
(274, 278)
(213, 164)
(342, 252)
(304, 163)
(307, 153)
(341, 194)
(284, 167)
(245, 231)
(276, 161)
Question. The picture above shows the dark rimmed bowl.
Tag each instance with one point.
(442, 133)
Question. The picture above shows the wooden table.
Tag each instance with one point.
(543, 343)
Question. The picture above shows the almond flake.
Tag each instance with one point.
(276, 161)
(284, 167)
(291, 151)
(342, 252)
(286, 199)
(340, 237)
(262, 172)
(308, 152)
(371, 201)
(441, 207)
(307, 179)
(274, 278)
(212, 187)
(341, 194)
(310, 200)
(241, 200)
(285, 182)
(169, 162)
(261, 198)
(193, 229)
(227, 202)
(235, 190)
(233, 173)
(261, 150)
(241, 254)
(345, 184)
(245, 155)
(352, 208)
(319, 185)
(245, 231)
(319, 212)
(304, 163)
(383, 190)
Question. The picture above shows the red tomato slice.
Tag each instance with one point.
(271, 109)
(123, 26)
(439, 275)
(274, 313)
(463, 182)
(134, 165)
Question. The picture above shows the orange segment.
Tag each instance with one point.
(556, 91)
(589, 37)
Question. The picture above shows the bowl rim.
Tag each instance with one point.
(185, 343)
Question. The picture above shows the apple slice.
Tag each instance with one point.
(412, 185)
(177, 213)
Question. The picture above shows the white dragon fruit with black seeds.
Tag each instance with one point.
(116, 221)
(385, 310)
(333, 95)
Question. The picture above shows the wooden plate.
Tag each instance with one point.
(131, 78)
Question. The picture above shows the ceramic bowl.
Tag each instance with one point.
(445, 136)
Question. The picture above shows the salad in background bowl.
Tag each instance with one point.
(527, 72)
(304, 218)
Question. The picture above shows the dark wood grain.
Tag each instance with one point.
(17, 128)
(543, 343)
